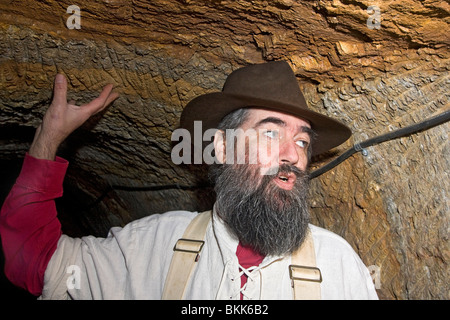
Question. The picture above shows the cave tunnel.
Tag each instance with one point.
(376, 71)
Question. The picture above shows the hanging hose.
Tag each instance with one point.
(424, 125)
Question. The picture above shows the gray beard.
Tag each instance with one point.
(271, 220)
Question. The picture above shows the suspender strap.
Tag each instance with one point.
(185, 256)
(305, 276)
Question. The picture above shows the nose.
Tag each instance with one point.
(288, 153)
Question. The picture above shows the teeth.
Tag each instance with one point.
(284, 178)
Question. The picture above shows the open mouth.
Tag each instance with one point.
(285, 180)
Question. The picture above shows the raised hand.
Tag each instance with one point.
(62, 118)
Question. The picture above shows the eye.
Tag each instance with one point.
(272, 134)
(302, 144)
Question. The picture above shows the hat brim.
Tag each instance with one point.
(211, 108)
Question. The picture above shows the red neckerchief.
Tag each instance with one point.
(247, 258)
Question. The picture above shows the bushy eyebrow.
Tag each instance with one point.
(312, 134)
(281, 123)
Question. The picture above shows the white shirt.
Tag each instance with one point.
(132, 263)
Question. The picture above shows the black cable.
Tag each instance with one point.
(424, 125)
(415, 128)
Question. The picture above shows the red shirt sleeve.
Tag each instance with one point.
(29, 227)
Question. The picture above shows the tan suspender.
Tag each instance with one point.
(185, 256)
(305, 276)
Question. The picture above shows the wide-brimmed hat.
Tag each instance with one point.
(271, 85)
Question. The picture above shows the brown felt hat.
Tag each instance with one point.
(271, 85)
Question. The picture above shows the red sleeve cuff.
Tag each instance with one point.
(43, 175)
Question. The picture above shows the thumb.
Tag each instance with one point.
(60, 89)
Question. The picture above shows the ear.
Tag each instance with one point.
(220, 146)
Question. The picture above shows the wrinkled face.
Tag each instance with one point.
(286, 135)
(264, 202)
(268, 139)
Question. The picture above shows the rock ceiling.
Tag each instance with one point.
(376, 69)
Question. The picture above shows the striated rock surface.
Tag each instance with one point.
(377, 69)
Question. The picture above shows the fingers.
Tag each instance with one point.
(112, 96)
(96, 105)
(103, 100)
(60, 89)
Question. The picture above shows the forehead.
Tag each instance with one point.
(256, 115)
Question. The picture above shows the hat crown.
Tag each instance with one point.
(272, 86)
(273, 81)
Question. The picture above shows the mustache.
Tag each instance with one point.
(286, 169)
(289, 168)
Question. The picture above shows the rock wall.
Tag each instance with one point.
(376, 65)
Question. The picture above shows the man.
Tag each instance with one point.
(256, 243)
